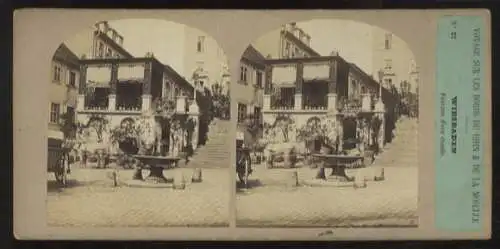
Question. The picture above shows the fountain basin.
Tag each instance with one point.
(156, 165)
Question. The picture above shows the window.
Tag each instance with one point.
(259, 79)
(109, 53)
(54, 112)
(256, 114)
(200, 83)
(243, 74)
(388, 82)
(286, 53)
(100, 51)
(388, 41)
(57, 73)
(70, 111)
(388, 64)
(200, 44)
(297, 52)
(72, 78)
(242, 112)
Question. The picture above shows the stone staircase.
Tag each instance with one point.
(403, 150)
(216, 152)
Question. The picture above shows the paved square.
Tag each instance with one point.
(91, 200)
(392, 202)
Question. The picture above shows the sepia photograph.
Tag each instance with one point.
(327, 128)
(251, 125)
(139, 127)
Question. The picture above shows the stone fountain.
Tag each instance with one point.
(153, 154)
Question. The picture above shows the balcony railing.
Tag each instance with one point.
(282, 102)
(95, 102)
(310, 102)
(128, 104)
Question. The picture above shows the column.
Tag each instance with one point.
(360, 127)
(380, 110)
(82, 87)
(340, 129)
(370, 132)
(146, 88)
(299, 83)
(268, 81)
(113, 85)
(381, 132)
(366, 104)
(180, 106)
(174, 140)
(194, 114)
(332, 86)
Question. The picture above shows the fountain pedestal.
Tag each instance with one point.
(156, 165)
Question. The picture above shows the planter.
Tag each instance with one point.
(129, 146)
(325, 150)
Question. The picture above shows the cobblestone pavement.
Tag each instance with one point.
(91, 200)
(392, 202)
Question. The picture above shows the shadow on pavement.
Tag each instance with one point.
(55, 187)
(250, 184)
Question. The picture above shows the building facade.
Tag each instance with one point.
(107, 90)
(63, 84)
(393, 56)
(204, 61)
(250, 88)
(288, 42)
(326, 88)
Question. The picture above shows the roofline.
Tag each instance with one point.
(304, 60)
(301, 44)
(113, 44)
(259, 65)
(75, 64)
(119, 60)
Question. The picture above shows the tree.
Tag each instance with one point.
(220, 101)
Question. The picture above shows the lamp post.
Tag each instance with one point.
(380, 110)
(380, 78)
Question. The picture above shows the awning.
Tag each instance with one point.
(130, 80)
(99, 74)
(130, 72)
(316, 71)
(55, 134)
(93, 84)
(284, 75)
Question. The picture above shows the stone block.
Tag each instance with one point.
(179, 181)
(292, 179)
(197, 176)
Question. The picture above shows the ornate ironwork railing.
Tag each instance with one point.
(96, 102)
(128, 103)
(347, 105)
(311, 102)
(283, 101)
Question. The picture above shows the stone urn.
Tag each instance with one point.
(326, 150)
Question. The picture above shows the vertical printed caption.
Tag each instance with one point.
(459, 124)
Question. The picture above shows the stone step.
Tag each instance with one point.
(204, 155)
(388, 161)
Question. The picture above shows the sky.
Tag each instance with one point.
(351, 39)
(163, 38)
(151, 35)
